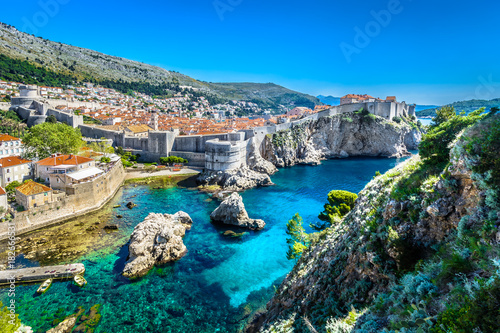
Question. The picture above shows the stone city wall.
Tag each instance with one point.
(82, 199)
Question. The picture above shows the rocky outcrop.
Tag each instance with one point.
(156, 240)
(235, 180)
(339, 136)
(232, 211)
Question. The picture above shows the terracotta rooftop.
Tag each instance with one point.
(31, 188)
(12, 161)
(6, 137)
(139, 128)
(64, 159)
(2, 191)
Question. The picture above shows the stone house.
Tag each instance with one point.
(31, 195)
(14, 168)
(53, 168)
(10, 146)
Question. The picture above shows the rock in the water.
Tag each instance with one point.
(111, 227)
(232, 211)
(65, 326)
(156, 240)
(131, 205)
(232, 234)
(235, 180)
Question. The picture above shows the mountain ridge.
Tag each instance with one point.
(83, 63)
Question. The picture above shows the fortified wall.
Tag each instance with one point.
(217, 152)
(35, 110)
(78, 199)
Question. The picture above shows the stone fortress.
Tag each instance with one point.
(35, 110)
(217, 152)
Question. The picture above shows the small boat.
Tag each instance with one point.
(80, 280)
(45, 286)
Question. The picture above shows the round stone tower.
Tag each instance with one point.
(28, 91)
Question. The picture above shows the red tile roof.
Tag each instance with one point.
(2, 191)
(31, 188)
(64, 159)
(6, 137)
(12, 161)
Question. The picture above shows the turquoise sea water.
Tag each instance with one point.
(221, 280)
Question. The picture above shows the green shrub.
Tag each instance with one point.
(105, 160)
(299, 239)
(396, 119)
(435, 145)
(487, 147)
(339, 204)
(172, 159)
(476, 312)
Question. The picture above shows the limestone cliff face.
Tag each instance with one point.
(394, 226)
(339, 136)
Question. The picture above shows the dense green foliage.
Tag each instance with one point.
(51, 119)
(23, 71)
(299, 239)
(487, 146)
(339, 204)
(443, 114)
(46, 139)
(6, 320)
(11, 189)
(11, 124)
(172, 159)
(435, 145)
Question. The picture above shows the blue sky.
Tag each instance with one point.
(427, 52)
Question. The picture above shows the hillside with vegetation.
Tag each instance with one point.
(467, 106)
(418, 252)
(29, 59)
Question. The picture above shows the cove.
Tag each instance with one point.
(221, 280)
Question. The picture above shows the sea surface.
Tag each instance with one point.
(221, 280)
(425, 121)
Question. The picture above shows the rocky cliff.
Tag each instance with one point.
(419, 251)
(350, 134)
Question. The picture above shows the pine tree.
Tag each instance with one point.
(299, 239)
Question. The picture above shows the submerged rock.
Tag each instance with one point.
(156, 240)
(65, 326)
(232, 211)
(131, 205)
(235, 180)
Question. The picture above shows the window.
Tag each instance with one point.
(8, 171)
